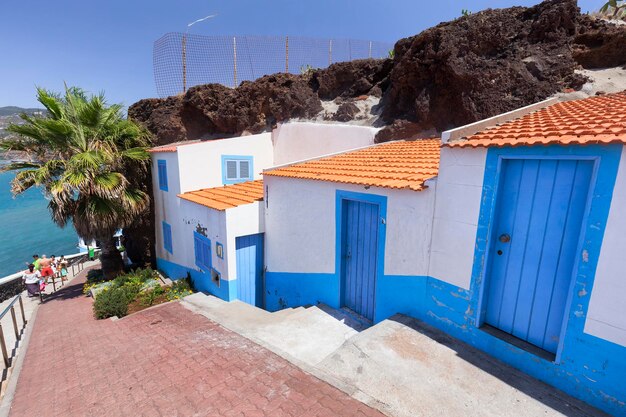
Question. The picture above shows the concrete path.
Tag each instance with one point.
(165, 361)
(417, 370)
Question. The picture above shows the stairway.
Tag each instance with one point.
(401, 366)
(307, 334)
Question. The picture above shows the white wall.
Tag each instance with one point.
(248, 219)
(606, 317)
(457, 207)
(189, 218)
(297, 141)
(300, 226)
(166, 203)
(201, 163)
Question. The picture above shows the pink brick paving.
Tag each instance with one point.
(166, 361)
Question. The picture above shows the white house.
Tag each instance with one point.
(510, 237)
(209, 221)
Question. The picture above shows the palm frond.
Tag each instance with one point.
(51, 102)
(136, 154)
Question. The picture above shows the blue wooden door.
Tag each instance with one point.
(250, 269)
(539, 214)
(359, 253)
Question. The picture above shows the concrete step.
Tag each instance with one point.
(235, 315)
(308, 335)
(419, 371)
(285, 312)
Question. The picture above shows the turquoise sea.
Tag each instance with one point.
(26, 229)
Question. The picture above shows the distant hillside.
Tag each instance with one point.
(14, 110)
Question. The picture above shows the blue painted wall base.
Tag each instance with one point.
(284, 289)
(590, 368)
(227, 290)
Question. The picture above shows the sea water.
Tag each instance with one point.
(26, 228)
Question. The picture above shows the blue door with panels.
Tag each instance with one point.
(359, 256)
(536, 233)
(250, 269)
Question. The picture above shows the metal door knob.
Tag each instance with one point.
(505, 238)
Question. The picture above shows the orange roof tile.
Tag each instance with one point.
(600, 119)
(401, 164)
(228, 196)
(172, 147)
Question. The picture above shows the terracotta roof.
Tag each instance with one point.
(172, 147)
(600, 119)
(401, 164)
(228, 196)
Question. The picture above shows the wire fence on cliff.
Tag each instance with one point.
(182, 60)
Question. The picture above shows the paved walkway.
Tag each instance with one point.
(30, 305)
(165, 361)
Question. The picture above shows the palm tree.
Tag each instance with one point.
(618, 7)
(78, 153)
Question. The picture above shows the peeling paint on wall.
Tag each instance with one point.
(201, 230)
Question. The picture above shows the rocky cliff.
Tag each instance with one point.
(452, 74)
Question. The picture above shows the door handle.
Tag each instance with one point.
(504, 238)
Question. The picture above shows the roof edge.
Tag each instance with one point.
(473, 128)
(302, 161)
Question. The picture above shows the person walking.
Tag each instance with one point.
(31, 278)
(55, 267)
(36, 262)
(45, 265)
(63, 268)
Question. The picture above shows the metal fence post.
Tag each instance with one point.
(330, 51)
(3, 345)
(22, 310)
(184, 63)
(14, 318)
(287, 54)
(235, 61)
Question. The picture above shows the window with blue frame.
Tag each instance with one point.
(162, 167)
(167, 237)
(236, 168)
(202, 250)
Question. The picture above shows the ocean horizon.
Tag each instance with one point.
(26, 228)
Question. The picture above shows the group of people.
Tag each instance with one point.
(41, 271)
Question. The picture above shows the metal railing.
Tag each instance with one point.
(8, 360)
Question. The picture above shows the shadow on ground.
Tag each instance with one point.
(534, 388)
(71, 290)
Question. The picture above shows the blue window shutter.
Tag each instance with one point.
(167, 237)
(231, 170)
(202, 251)
(244, 170)
(162, 171)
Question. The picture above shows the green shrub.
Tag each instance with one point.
(147, 297)
(111, 302)
(95, 275)
(179, 289)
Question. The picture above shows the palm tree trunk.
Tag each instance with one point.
(111, 259)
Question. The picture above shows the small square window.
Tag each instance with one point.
(236, 169)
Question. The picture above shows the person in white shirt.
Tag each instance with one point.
(31, 278)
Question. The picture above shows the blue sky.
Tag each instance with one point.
(107, 45)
